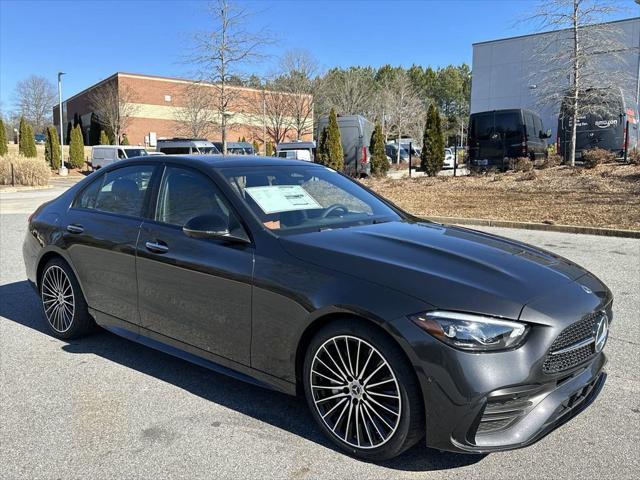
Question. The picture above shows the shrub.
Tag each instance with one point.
(26, 141)
(335, 155)
(125, 139)
(633, 156)
(321, 151)
(76, 149)
(268, 149)
(552, 160)
(52, 148)
(432, 153)
(26, 171)
(256, 147)
(379, 162)
(596, 156)
(528, 175)
(521, 164)
(3, 139)
(104, 138)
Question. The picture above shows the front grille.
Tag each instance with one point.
(578, 332)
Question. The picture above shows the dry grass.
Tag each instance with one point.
(605, 196)
(26, 171)
(13, 148)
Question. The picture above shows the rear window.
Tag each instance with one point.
(508, 125)
(175, 150)
(482, 126)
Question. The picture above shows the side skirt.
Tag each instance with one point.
(191, 354)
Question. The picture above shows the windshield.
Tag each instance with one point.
(208, 150)
(294, 198)
(136, 152)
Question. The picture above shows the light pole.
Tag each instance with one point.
(63, 172)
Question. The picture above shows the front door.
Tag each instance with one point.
(194, 290)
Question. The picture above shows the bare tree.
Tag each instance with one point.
(197, 116)
(35, 98)
(222, 54)
(583, 63)
(348, 91)
(277, 112)
(403, 109)
(114, 105)
(297, 71)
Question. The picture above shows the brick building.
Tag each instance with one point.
(159, 107)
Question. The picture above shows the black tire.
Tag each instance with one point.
(410, 424)
(80, 322)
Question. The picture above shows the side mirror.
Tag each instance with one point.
(210, 226)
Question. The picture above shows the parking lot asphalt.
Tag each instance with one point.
(104, 407)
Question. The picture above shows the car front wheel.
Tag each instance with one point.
(362, 391)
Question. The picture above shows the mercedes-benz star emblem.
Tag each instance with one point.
(601, 332)
(586, 289)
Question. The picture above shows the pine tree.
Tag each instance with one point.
(335, 155)
(379, 162)
(269, 149)
(22, 135)
(321, 151)
(432, 154)
(3, 140)
(76, 149)
(256, 147)
(52, 148)
(104, 138)
(47, 146)
(125, 139)
(27, 141)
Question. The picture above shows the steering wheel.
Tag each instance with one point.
(332, 208)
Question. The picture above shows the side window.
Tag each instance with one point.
(87, 198)
(120, 191)
(530, 126)
(537, 122)
(186, 193)
(121, 154)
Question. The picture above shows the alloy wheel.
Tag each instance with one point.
(57, 299)
(355, 392)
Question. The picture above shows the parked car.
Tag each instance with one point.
(449, 158)
(391, 149)
(39, 138)
(605, 126)
(239, 148)
(355, 136)
(294, 277)
(498, 136)
(103, 155)
(296, 150)
(185, 146)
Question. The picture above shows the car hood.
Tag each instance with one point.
(448, 267)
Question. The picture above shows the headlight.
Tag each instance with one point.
(471, 332)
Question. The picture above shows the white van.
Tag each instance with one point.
(103, 155)
(186, 146)
(296, 150)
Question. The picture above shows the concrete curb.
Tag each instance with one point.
(22, 188)
(481, 222)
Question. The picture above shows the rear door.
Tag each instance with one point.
(194, 290)
(101, 231)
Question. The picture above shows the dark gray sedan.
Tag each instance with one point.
(291, 276)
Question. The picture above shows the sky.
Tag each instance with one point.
(91, 40)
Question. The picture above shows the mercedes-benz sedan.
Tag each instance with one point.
(292, 276)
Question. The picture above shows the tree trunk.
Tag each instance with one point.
(575, 86)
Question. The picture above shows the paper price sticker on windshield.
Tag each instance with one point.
(282, 198)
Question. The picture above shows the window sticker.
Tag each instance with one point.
(282, 198)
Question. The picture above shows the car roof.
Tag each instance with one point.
(137, 147)
(222, 161)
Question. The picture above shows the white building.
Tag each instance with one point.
(504, 71)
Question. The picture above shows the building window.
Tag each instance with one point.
(167, 98)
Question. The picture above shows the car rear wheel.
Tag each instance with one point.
(63, 303)
(362, 391)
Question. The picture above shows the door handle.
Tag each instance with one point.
(74, 228)
(156, 247)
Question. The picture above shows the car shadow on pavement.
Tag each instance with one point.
(20, 304)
